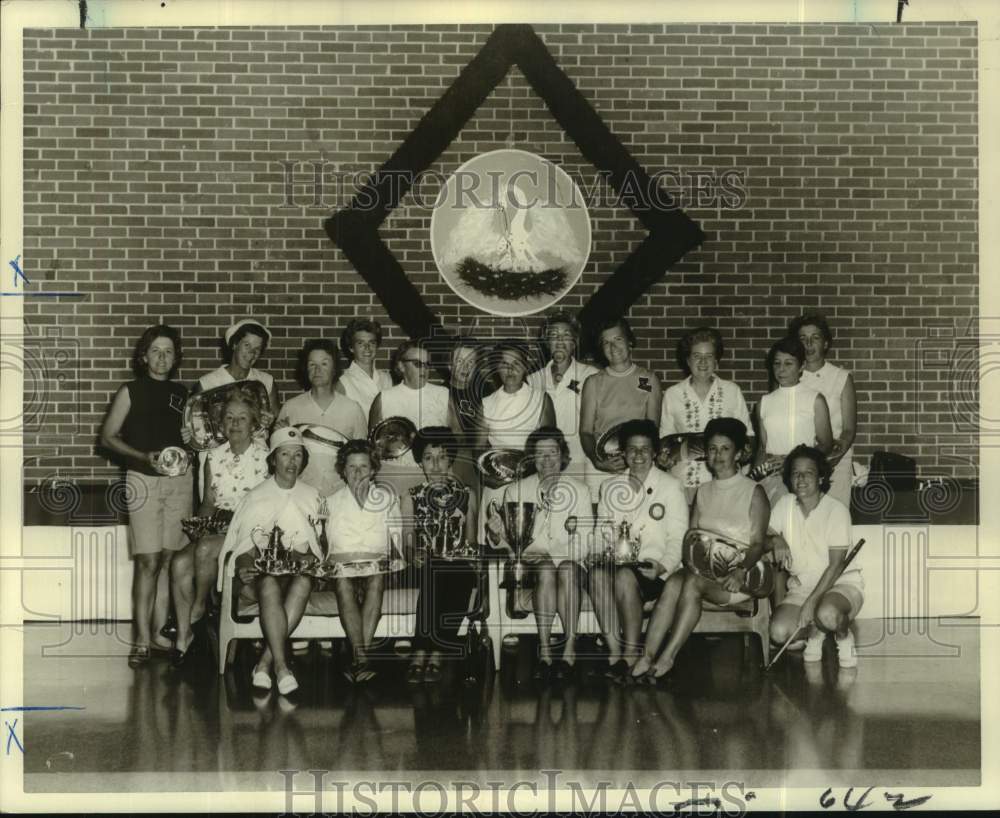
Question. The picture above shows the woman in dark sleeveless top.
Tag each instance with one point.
(143, 420)
(441, 511)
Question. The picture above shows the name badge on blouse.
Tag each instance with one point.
(644, 384)
(177, 403)
(657, 511)
(574, 385)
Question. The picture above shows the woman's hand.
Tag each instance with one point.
(612, 465)
(807, 612)
(494, 527)
(734, 580)
(186, 435)
(152, 458)
(651, 569)
(782, 553)
(247, 574)
(836, 453)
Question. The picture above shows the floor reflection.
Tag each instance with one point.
(719, 711)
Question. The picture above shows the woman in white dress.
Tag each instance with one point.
(284, 502)
(513, 411)
(809, 534)
(364, 519)
(361, 381)
(702, 396)
(791, 414)
(837, 386)
(560, 542)
(562, 378)
(318, 371)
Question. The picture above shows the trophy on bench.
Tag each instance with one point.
(518, 521)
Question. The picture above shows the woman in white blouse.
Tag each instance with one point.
(837, 387)
(231, 470)
(702, 396)
(560, 541)
(361, 381)
(281, 501)
(513, 411)
(364, 519)
(791, 414)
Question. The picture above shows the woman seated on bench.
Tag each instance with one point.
(560, 538)
(652, 505)
(363, 517)
(729, 504)
(231, 470)
(441, 511)
(295, 508)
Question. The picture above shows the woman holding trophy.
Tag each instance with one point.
(231, 470)
(143, 428)
(734, 507)
(275, 529)
(558, 539)
(442, 512)
(641, 519)
(365, 521)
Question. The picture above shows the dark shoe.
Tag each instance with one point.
(543, 672)
(138, 656)
(415, 674)
(169, 631)
(618, 671)
(432, 672)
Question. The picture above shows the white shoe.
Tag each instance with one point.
(845, 650)
(814, 646)
(261, 679)
(287, 684)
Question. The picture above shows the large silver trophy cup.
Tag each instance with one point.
(518, 521)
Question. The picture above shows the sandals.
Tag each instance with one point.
(359, 672)
(261, 679)
(138, 656)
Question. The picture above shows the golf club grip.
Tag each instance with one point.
(852, 554)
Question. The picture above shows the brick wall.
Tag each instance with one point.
(155, 185)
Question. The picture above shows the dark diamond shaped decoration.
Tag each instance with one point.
(354, 229)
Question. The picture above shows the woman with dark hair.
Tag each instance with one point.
(837, 386)
(621, 391)
(514, 410)
(469, 383)
(282, 502)
(318, 371)
(809, 535)
(442, 512)
(560, 541)
(361, 381)
(244, 343)
(791, 414)
(650, 505)
(562, 379)
(364, 521)
(731, 505)
(144, 419)
(702, 396)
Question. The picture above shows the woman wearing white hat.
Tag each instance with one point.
(245, 342)
(294, 507)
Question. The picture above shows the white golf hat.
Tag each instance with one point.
(242, 323)
(285, 436)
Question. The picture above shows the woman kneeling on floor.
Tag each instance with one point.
(364, 518)
(280, 502)
(810, 533)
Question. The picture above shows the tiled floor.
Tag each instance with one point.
(901, 717)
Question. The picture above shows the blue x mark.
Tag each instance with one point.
(17, 270)
(12, 735)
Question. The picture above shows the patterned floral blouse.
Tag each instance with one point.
(233, 475)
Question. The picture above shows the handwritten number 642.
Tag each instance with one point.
(898, 800)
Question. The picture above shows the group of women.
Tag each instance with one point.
(344, 502)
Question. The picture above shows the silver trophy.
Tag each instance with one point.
(518, 521)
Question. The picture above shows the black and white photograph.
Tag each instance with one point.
(438, 407)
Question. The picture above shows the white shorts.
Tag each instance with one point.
(851, 592)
